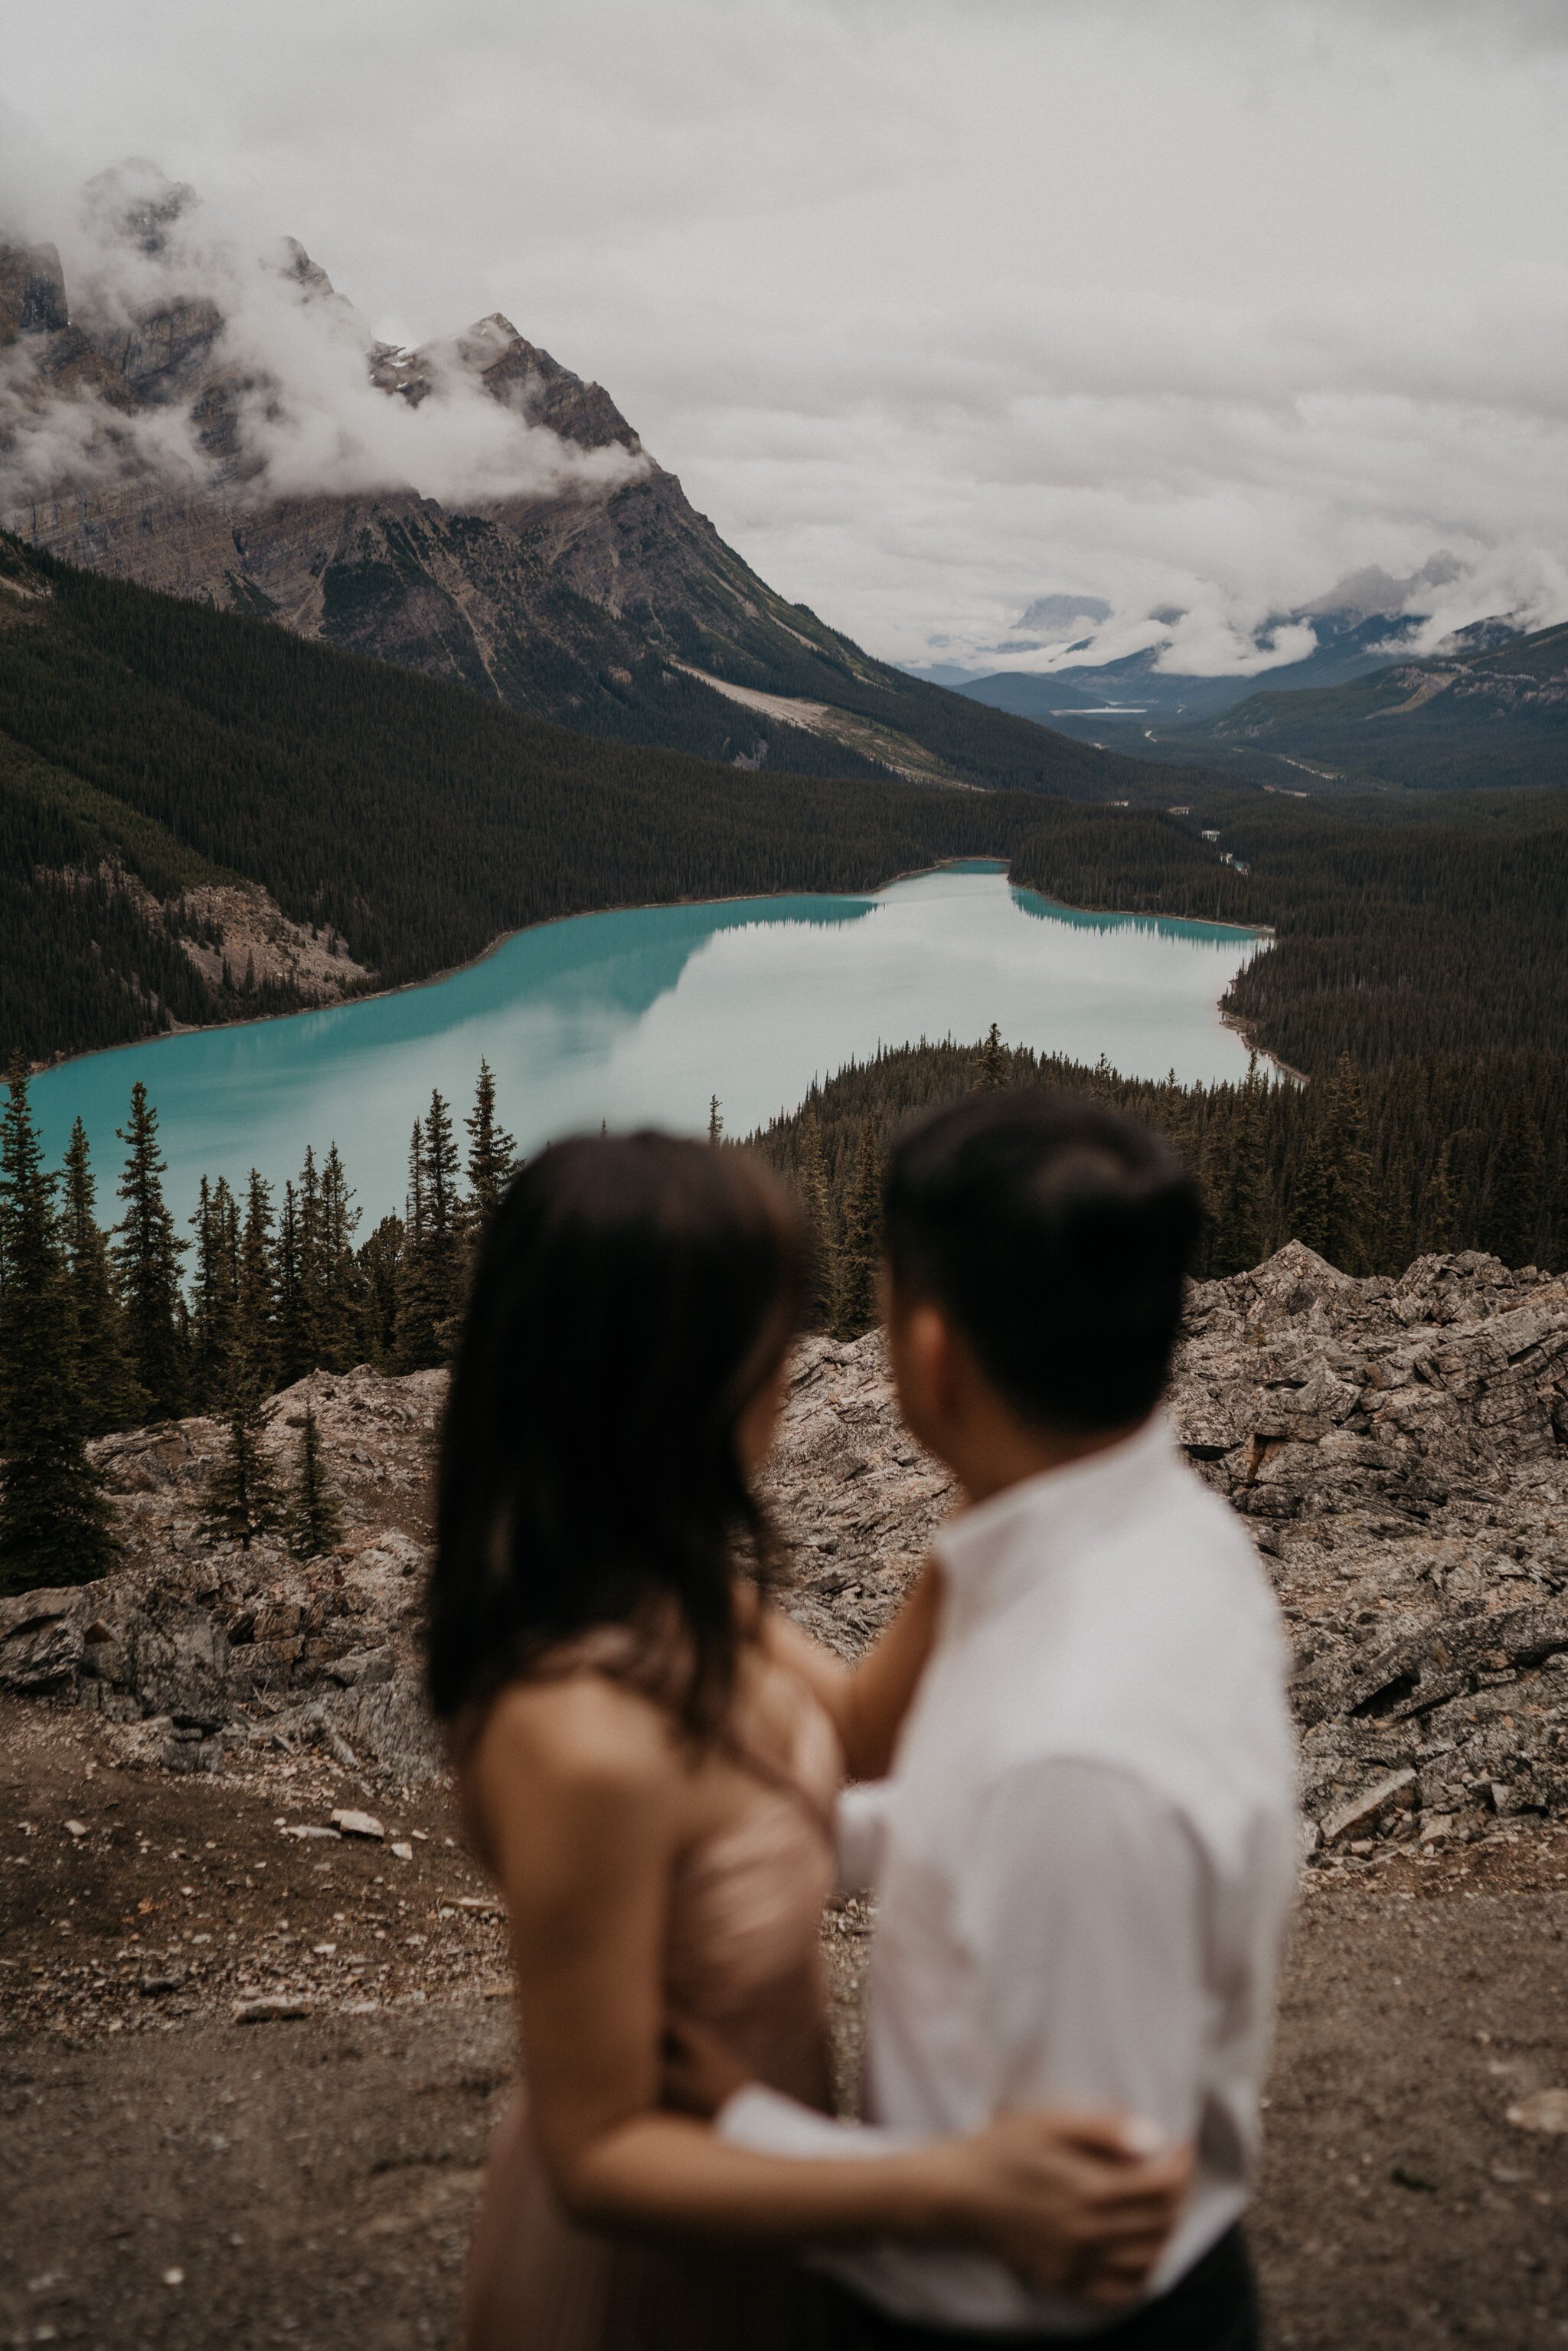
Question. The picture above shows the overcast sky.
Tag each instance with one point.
(937, 307)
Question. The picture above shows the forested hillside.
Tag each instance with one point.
(150, 747)
(1403, 927)
(1477, 720)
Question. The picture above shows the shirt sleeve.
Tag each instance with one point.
(1084, 1909)
(859, 1834)
(1081, 1907)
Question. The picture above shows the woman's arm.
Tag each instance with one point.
(868, 1701)
(588, 1797)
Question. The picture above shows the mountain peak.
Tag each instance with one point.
(1373, 594)
(134, 202)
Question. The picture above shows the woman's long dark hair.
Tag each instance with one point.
(632, 1297)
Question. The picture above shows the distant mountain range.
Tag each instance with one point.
(1121, 698)
(140, 431)
(1490, 709)
(1132, 701)
(1484, 714)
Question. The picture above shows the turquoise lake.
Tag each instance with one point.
(639, 1017)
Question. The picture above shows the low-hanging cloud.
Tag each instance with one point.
(259, 344)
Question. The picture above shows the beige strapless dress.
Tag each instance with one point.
(743, 1958)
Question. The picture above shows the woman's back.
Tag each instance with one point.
(751, 1868)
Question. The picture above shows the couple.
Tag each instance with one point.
(1075, 1771)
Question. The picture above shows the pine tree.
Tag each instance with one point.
(302, 1343)
(1439, 1206)
(110, 1397)
(440, 1169)
(242, 1498)
(817, 1204)
(430, 1265)
(314, 1523)
(993, 1061)
(147, 1253)
(341, 1310)
(1309, 1196)
(413, 1323)
(1352, 1234)
(860, 1253)
(1515, 1189)
(1240, 1238)
(54, 1524)
(215, 1300)
(291, 1319)
(256, 1308)
(492, 1152)
(715, 1123)
(379, 1261)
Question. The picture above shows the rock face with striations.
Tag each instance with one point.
(1398, 1449)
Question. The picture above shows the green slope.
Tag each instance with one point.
(1493, 719)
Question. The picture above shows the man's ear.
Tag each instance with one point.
(922, 1351)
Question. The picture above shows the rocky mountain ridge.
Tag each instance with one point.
(1398, 1450)
(150, 428)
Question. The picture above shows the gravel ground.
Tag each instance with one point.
(175, 2179)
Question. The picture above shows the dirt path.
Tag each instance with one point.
(310, 2182)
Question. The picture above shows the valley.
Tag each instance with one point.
(763, 574)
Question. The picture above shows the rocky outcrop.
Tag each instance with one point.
(233, 933)
(203, 1650)
(1398, 1449)
(239, 929)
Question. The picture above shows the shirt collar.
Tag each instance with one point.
(1049, 1517)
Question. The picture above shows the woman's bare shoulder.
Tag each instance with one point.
(582, 1734)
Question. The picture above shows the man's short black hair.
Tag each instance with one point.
(1055, 1235)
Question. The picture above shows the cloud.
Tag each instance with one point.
(257, 369)
(938, 307)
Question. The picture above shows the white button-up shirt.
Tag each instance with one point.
(1084, 1857)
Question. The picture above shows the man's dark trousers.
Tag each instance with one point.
(1213, 2308)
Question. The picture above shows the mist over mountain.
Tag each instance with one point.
(1353, 630)
(183, 409)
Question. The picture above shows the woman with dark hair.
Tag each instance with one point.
(651, 1780)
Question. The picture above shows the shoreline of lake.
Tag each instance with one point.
(652, 906)
(639, 1016)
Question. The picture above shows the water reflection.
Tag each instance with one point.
(643, 1015)
(1224, 936)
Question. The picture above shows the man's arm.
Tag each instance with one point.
(1084, 1907)
(1081, 1901)
(868, 1701)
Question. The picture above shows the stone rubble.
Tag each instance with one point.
(1398, 1449)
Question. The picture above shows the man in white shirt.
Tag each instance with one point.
(1085, 1851)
